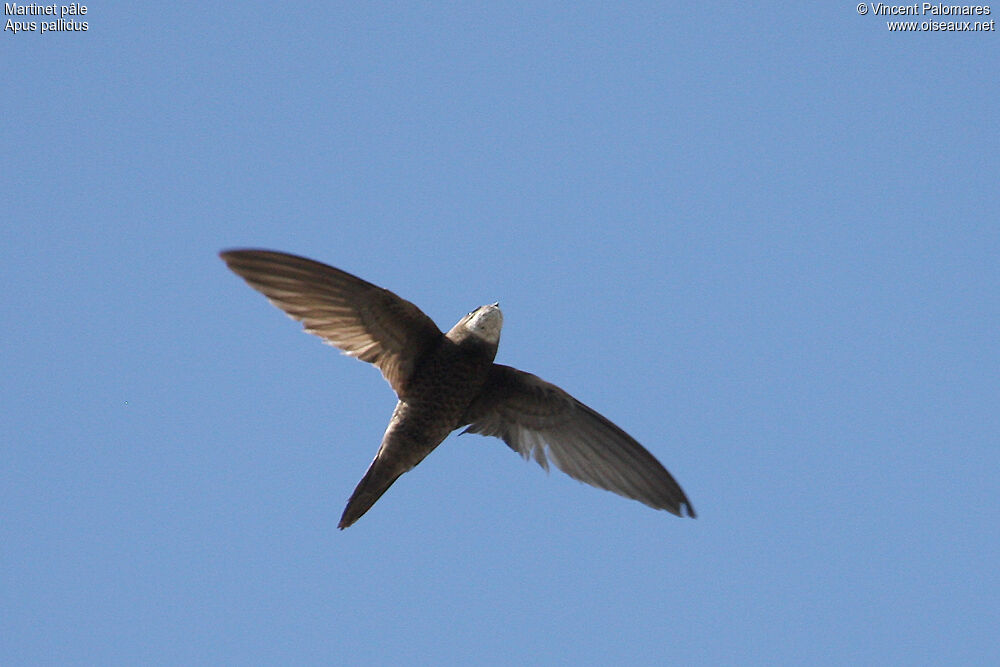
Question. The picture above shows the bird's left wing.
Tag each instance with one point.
(541, 421)
(362, 319)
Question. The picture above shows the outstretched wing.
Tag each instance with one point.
(541, 421)
(362, 319)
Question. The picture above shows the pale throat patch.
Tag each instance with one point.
(486, 323)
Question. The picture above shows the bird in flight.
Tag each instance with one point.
(445, 381)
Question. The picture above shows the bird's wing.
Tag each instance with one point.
(362, 319)
(533, 416)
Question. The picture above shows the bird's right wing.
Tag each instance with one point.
(536, 418)
(362, 319)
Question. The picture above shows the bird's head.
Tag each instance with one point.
(484, 323)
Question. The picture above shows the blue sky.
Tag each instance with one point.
(763, 241)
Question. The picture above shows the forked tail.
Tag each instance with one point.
(376, 481)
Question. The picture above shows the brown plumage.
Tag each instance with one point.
(447, 381)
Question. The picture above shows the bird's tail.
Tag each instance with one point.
(371, 487)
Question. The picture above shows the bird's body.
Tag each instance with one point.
(447, 381)
(437, 396)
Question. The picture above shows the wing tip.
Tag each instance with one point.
(228, 254)
(690, 510)
(682, 507)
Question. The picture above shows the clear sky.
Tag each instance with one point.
(763, 241)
